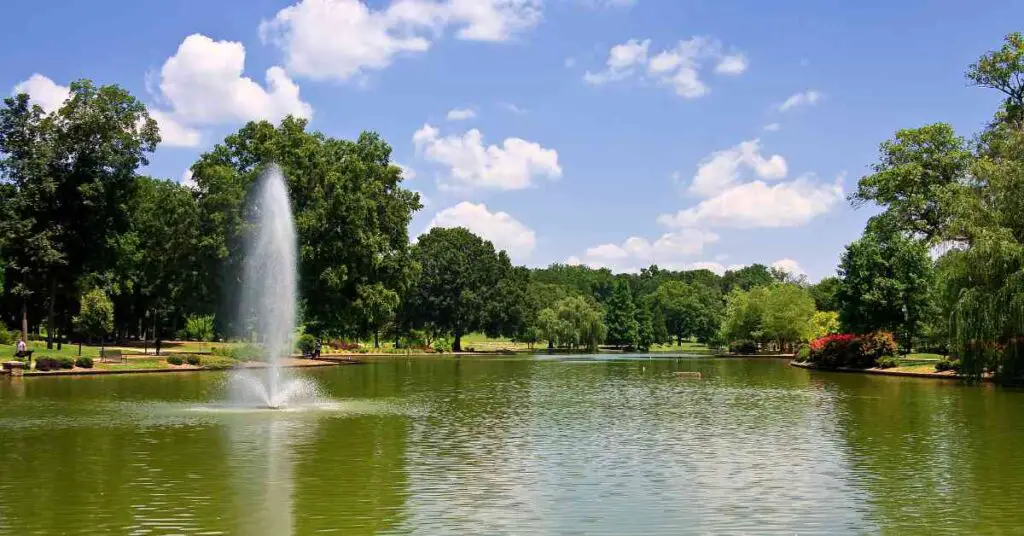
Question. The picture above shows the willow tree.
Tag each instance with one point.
(982, 277)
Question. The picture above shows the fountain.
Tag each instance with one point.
(268, 300)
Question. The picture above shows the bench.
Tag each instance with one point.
(115, 356)
(24, 354)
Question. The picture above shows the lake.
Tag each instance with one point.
(525, 445)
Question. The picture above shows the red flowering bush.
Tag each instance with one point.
(849, 350)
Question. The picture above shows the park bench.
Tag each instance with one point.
(24, 354)
(115, 356)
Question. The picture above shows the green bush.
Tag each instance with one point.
(66, 363)
(887, 361)
(743, 347)
(306, 344)
(247, 352)
(442, 346)
(802, 354)
(946, 363)
(175, 360)
(83, 362)
(47, 363)
(8, 337)
(192, 360)
(878, 344)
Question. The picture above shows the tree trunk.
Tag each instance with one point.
(457, 346)
(679, 340)
(24, 319)
(52, 305)
(376, 340)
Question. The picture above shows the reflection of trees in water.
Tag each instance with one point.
(934, 454)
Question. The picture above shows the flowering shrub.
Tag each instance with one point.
(855, 351)
(878, 344)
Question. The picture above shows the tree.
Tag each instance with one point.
(351, 216)
(73, 171)
(95, 316)
(378, 305)
(621, 317)
(199, 327)
(460, 273)
(573, 323)
(1002, 70)
(689, 310)
(884, 285)
(645, 335)
(748, 277)
(744, 315)
(824, 294)
(824, 323)
(918, 174)
(788, 314)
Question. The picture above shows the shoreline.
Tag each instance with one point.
(886, 372)
(178, 369)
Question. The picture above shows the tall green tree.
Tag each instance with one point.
(621, 316)
(745, 314)
(919, 175)
(884, 285)
(788, 315)
(95, 318)
(74, 173)
(351, 215)
(748, 277)
(573, 323)
(459, 274)
(824, 294)
(689, 310)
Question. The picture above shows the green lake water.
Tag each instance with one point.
(516, 446)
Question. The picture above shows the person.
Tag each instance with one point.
(22, 347)
(316, 350)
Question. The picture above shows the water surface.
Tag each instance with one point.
(518, 445)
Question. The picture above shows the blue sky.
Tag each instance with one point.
(610, 132)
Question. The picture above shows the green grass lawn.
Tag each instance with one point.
(68, 350)
(687, 347)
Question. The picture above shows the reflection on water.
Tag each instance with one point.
(543, 446)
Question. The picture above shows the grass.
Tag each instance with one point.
(68, 350)
(688, 347)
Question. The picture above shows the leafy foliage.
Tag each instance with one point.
(96, 315)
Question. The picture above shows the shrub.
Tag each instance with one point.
(245, 352)
(47, 363)
(175, 360)
(192, 360)
(66, 363)
(946, 363)
(343, 346)
(306, 344)
(887, 361)
(83, 362)
(743, 347)
(878, 344)
(831, 351)
(442, 346)
(8, 337)
(802, 354)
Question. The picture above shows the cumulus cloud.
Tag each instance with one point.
(678, 67)
(722, 169)
(203, 83)
(42, 91)
(460, 114)
(408, 173)
(172, 132)
(803, 98)
(669, 250)
(514, 165)
(503, 230)
(187, 180)
(341, 39)
(789, 266)
(758, 204)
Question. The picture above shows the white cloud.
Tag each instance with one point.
(499, 227)
(803, 98)
(173, 133)
(607, 4)
(721, 169)
(511, 107)
(622, 61)
(515, 165)
(678, 68)
(340, 39)
(42, 91)
(408, 173)
(772, 127)
(757, 204)
(789, 266)
(715, 267)
(461, 114)
(669, 250)
(203, 84)
(732, 64)
(186, 179)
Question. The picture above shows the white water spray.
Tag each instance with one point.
(268, 298)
